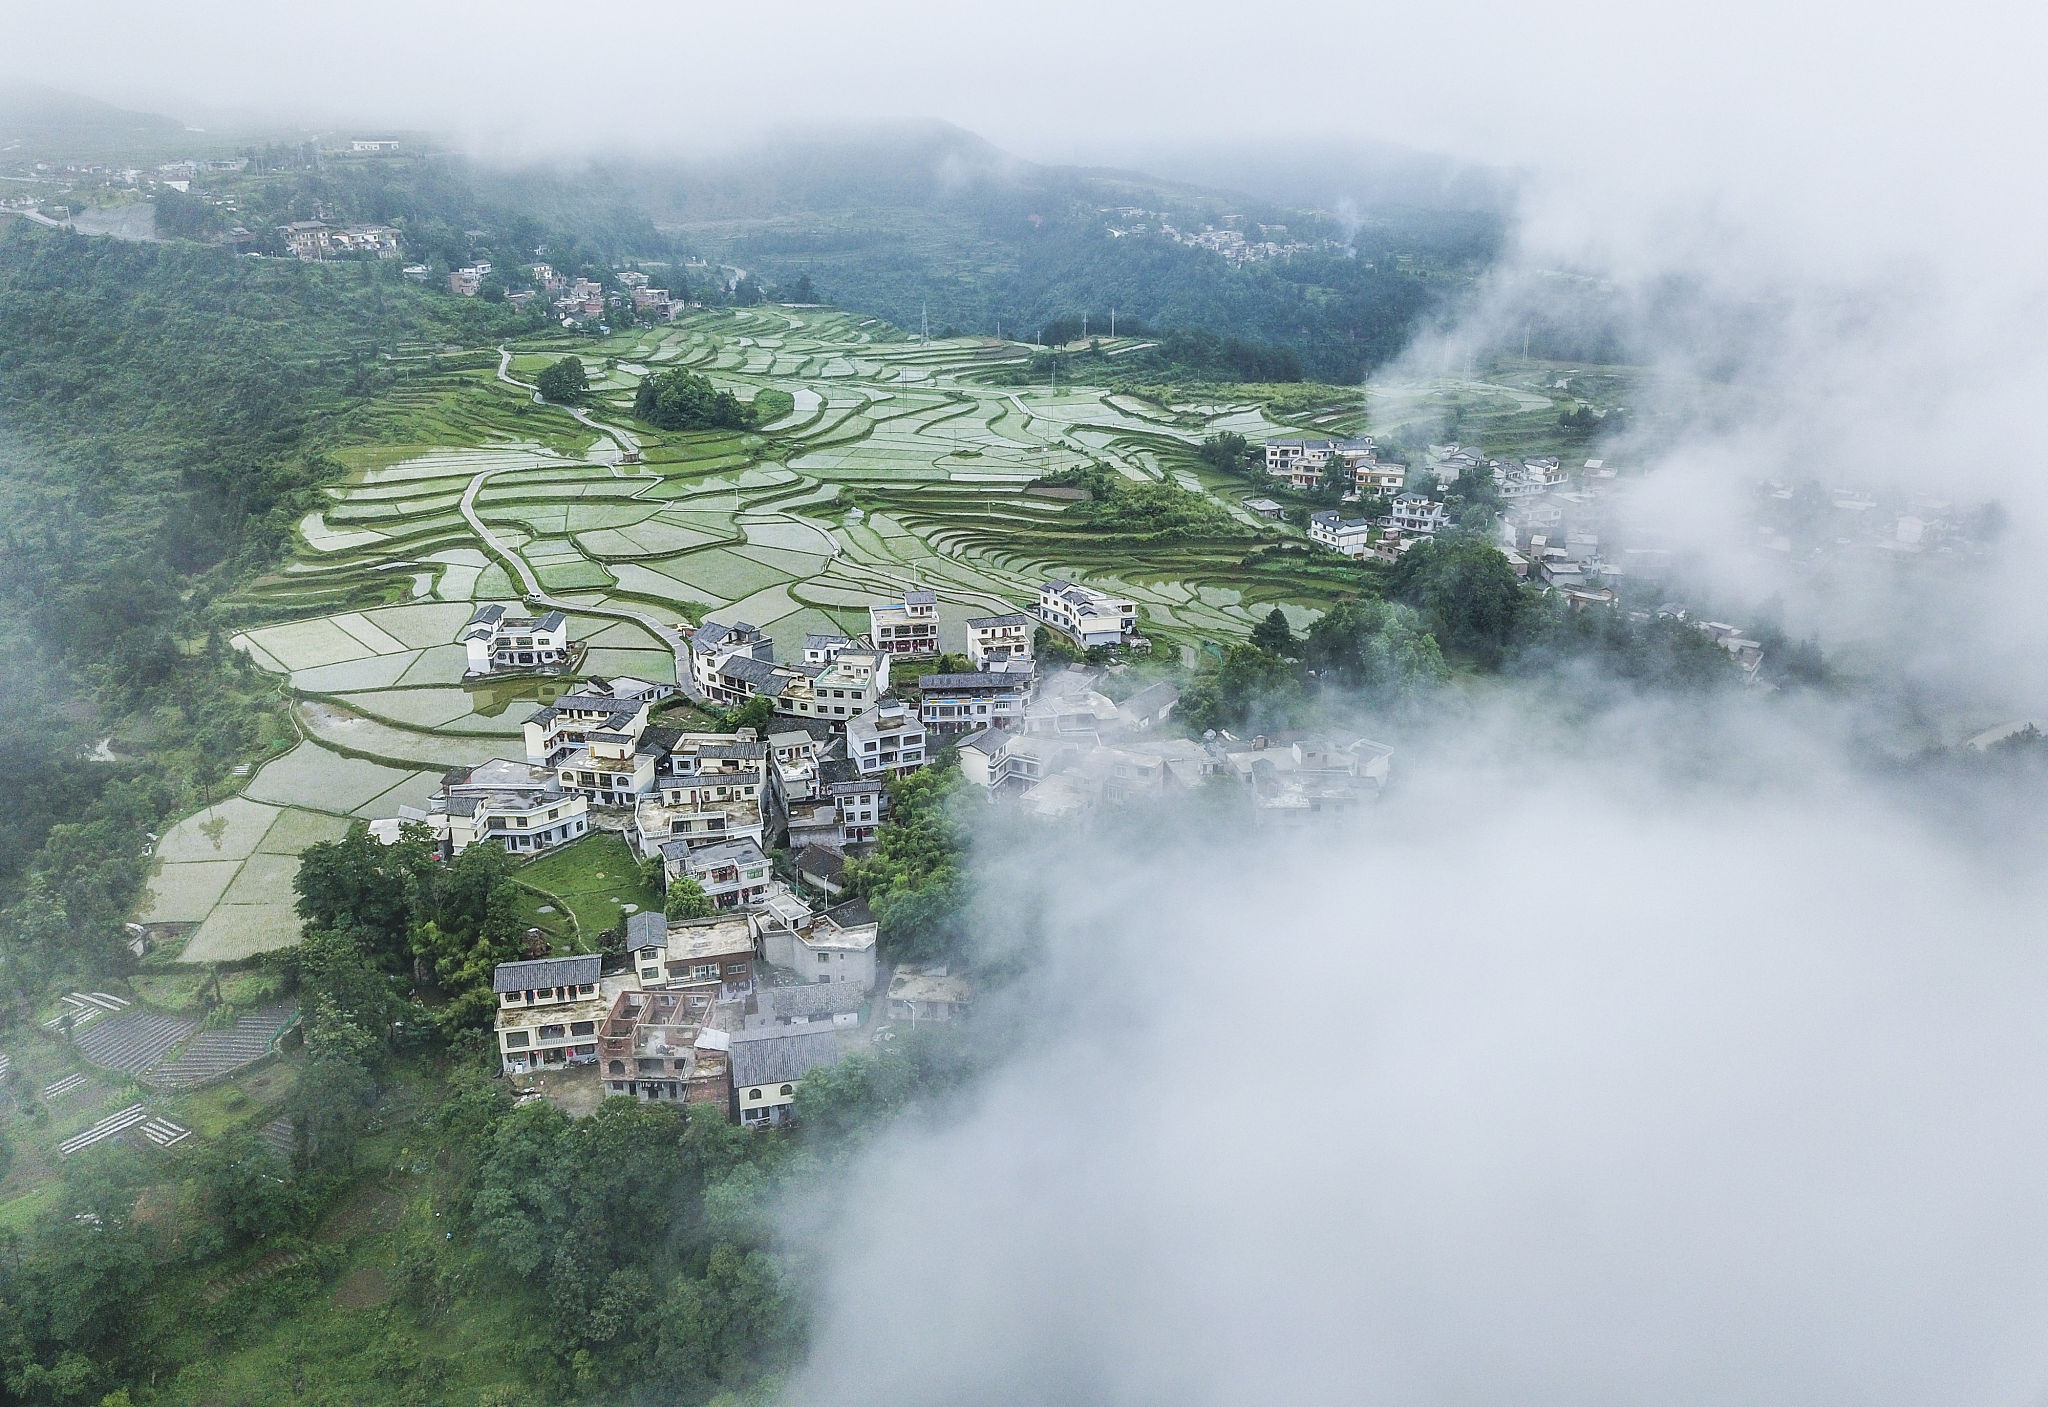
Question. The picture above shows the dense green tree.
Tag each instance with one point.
(718, 1331)
(757, 713)
(1248, 688)
(360, 885)
(686, 899)
(1273, 634)
(912, 879)
(564, 382)
(1374, 648)
(1226, 452)
(1467, 593)
(679, 399)
(468, 923)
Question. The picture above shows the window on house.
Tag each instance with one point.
(753, 1094)
(515, 1039)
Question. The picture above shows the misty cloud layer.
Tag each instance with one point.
(1683, 1064)
(1545, 1081)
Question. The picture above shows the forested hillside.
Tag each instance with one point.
(160, 416)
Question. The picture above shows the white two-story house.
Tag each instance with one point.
(1351, 536)
(887, 740)
(994, 639)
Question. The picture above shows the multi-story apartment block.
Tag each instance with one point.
(1090, 617)
(1417, 515)
(1374, 478)
(908, 627)
(495, 642)
(732, 664)
(1301, 464)
(708, 787)
(593, 743)
(849, 686)
(993, 639)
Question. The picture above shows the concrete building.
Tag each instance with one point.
(548, 1012)
(1351, 536)
(708, 787)
(960, 703)
(496, 643)
(928, 994)
(659, 1046)
(906, 627)
(1087, 616)
(713, 955)
(523, 808)
(886, 740)
(994, 639)
(734, 873)
(837, 946)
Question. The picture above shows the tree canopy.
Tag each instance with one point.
(679, 399)
(564, 382)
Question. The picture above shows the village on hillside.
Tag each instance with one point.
(780, 973)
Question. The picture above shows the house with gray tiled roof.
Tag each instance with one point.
(768, 1064)
(993, 639)
(497, 643)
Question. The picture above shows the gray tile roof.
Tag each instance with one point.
(545, 972)
(817, 860)
(646, 929)
(780, 1054)
(810, 1001)
(969, 683)
(748, 669)
(921, 596)
(984, 622)
(854, 913)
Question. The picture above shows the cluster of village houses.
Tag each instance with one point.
(573, 300)
(736, 1008)
(1550, 527)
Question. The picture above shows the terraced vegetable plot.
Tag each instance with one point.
(898, 464)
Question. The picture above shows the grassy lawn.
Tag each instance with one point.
(595, 879)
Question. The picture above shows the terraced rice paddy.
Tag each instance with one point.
(898, 465)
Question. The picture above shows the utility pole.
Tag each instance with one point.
(925, 317)
(1112, 320)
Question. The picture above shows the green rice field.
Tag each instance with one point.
(897, 464)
